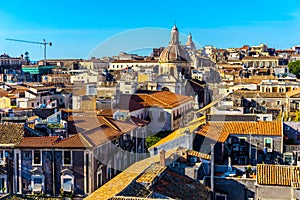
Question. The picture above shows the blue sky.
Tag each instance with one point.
(76, 27)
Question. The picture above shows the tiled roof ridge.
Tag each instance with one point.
(79, 135)
(155, 98)
(85, 140)
(109, 123)
(178, 97)
(64, 139)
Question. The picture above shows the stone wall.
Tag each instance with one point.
(235, 188)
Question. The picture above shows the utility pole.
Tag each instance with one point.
(212, 169)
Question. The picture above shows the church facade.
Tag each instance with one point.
(174, 73)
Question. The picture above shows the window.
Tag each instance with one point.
(67, 155)
(99, 179)
(273, 64)
(268, 143)
(242, 141)
(37, 157)
(37, 183)
(67, 184)
(3, 187)
(108, 173)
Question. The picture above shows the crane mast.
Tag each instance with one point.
(33, 42)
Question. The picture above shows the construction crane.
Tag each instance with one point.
(32, 42)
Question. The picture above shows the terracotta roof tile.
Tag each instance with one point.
(122, 180)
(75, 141)
(161, 99)
(219, 131)
(280, 175)
(116, 124)
(214, 132)
(176, 186)
(168, 98)
(151, 173)
(101, 135)
(199, 154)
(38, 142)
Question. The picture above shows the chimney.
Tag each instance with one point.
(162, 160)
(183, 155)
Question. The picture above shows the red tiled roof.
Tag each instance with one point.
(161, 99)
(38, 142)
(277, 175)
(219, 131)
(167, 99)
(75, 141)
(101, 135)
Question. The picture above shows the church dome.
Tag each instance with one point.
(174, 52)
(190, 42)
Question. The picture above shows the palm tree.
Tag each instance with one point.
(27, 57)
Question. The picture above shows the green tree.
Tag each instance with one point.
(27, 57)
(294, 68)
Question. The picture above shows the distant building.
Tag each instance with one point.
(277, 182)
(129, 64)
(8, 63)
(245, 142)
(165, 110)
(93, 64)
